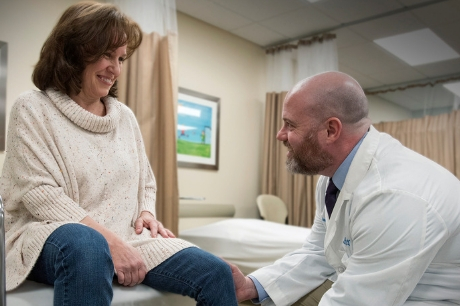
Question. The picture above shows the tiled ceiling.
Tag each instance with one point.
(357, 23)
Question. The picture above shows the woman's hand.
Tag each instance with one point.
(147, 220)
(129, 266)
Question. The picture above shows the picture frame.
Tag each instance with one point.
(3, 74)
(197, 134)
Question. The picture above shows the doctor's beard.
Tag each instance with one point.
(310, 159)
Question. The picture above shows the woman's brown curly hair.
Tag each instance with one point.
(85, 32)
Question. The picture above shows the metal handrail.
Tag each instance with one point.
(2, 256)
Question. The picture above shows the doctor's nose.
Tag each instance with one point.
(281, 135)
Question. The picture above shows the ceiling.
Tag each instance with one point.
(357, 23)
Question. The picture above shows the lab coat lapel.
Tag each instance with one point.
(358, 169)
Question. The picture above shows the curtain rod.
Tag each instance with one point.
(351, 23)
(420, 83)
(301, 42)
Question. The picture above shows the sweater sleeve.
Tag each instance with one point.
(150, 191)
(51, 203)
(32, 173)
(147, 182)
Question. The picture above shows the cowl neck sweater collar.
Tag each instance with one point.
(82, 117)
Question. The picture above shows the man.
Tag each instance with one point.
(393, 236)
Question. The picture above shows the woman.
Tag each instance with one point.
(78, 189)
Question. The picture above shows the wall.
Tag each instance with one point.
(381, 110)
(24, 25)
(431, 112)
(219, 64)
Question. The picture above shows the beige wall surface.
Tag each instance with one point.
(217, 63)
(24, 26)
(381, 110)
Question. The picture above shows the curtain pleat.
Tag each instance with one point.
(148, 86)
(297, 191)
(456, 136)
(436, 137)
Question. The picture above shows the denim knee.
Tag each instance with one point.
(85, 248)
(221, 270)
(217, 287)
(84, 268)
(76, 260)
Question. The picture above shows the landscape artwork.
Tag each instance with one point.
(197, 130)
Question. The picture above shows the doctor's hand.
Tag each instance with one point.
(245, 288)
(147, 220)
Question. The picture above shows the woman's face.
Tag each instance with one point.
(99, 77)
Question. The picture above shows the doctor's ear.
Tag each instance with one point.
(333, 129)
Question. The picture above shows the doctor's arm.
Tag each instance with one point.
(298, 272)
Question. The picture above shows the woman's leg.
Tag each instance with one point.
(76, 261)
(195, 273)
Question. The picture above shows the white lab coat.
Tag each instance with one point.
(392, 239)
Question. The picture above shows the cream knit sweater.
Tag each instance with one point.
(63, 164)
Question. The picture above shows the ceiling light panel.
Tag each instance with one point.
(454, 88)
(418, 47)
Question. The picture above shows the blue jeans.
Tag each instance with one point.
(76, 260)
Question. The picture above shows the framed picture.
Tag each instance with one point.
(197, 130)
(3, 66)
